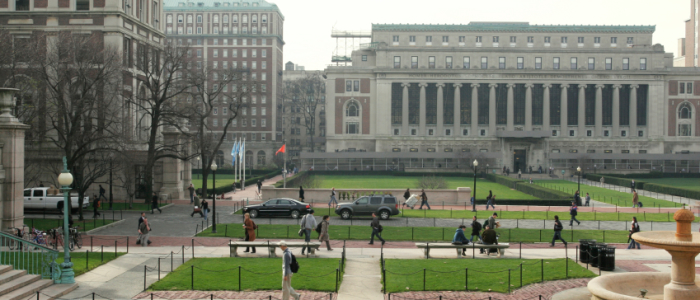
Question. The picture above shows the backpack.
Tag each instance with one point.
(318, 228)
(477, 226)
(558, 226)
(380, 228)
(640, 204)
(294, 265)
(636, 227)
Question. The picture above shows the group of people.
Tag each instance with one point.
(488, 237)
(423, 199)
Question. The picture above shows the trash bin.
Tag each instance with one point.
(596, 250)
(608, 261)
(584, 250)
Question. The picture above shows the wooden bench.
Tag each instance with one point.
(272, 246)
(427, 246)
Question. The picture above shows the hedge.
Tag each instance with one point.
(656, 175)
(229, 171)
(391, 173)
(612, 179)
(538, 202)
(248, 181)
(530, 189)
(671, 190)
(293, 180)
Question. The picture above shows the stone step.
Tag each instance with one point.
(57, 291)
(27, 290)
(5, 268)
(11, 275)
(15, 284)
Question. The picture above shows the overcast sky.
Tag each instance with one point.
(308, 23)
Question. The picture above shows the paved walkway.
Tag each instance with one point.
(362, 280)
(660, 196)
(250, 192)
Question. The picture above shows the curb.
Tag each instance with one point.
(105, 226)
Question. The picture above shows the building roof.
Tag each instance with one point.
(515, 27)
(233, 5)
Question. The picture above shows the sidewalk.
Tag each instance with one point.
(672, 198)
(249, 193)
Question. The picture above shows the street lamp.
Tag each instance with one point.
(200, 168)
(213, 169)
(476, 164)
(111, 160)
(65, 179)
(578, 169)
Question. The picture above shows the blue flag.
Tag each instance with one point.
(234, 152)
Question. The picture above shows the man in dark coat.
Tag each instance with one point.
(476, 229)
(154, 203)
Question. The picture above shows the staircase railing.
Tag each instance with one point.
(26, 255)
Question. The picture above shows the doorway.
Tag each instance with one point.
(519, 161)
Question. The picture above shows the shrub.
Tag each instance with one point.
(527, 188)
(671, 190)
(614, 180)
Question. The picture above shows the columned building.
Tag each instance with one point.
(514, 95)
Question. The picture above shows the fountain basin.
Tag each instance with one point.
(626, 286)
(665, 240)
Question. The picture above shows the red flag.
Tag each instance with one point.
(283, 149)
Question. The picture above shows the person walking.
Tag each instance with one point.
(144, 229)
(489, 237)
(301, 193)
(154, 203)
(141, 218)
(287, 289)
(376, 230)
(491, 201)
(191, 189)
(635, 199)
(333, 200)
(460, 239)
(632, 185)
(558, 227)
(259, 186)
(633, 229)
(520, 173)
(573, 211)
(577, 197)
(102, 193)
(476, 229)
(406, 195)
(602, 180)
(308, 223)
(250, 227)
(491, 222)
(423, 199)
(205, 209)
(323, 236)
(588, 199)
(95, 207)
(197, 209)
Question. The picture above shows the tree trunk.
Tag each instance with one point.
(205, 175)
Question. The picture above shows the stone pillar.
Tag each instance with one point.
(404, 110)
(173, 169)
(475, 109)
(599, 109)
(510, 106)
(616, 110)
(457, 110)
(421, 131)
(11, 163)
(582, 110)
(564, 107)
(528, 106)
(546, 107)
(492, 109)
(633, 110)
(440, 110)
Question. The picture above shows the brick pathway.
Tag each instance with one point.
(231, 295)
(532, 292)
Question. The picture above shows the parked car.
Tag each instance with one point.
(281, 207)
(37, 198)
(384, 206)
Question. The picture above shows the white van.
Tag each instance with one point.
(37, 199)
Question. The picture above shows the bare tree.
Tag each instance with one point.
(306, 94)
(125, 175)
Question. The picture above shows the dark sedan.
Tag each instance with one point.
(282, 207)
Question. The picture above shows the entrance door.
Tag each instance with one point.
(519, 160)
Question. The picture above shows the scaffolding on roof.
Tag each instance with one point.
(343, 51)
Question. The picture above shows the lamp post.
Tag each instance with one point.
(476, 164)
(199, 167)
(578, 169)
(65, 179)
(213, 169)
(111, 160)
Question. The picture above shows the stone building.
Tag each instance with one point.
(514, 95)
(238, 34)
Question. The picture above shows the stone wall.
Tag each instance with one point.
(460, 195)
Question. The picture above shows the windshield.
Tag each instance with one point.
(362, 200)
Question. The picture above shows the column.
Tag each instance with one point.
(564, 107)
(457, 110)
(492, 108)
(633, 110)
(422, 131)
(440, 110)
(582, 110)
(404, 110)
(616, 110)
(11, 162)
(599, 109)
(546, 107)
(509, 109)
(475, 109)
(528, 106)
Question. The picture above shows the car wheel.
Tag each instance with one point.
(345, 214)
(253, 214)
(384, 215)
(295, 214)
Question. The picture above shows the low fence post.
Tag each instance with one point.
(192, 248)
(466, 279)
(127, 244)
(192, 277)
(144, 277)
(239, 278)
(159, 268)
(424, 280)
(542, 270)
(337, 275)
(508, 281)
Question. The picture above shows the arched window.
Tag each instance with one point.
(225, 18)
(235, 19)
(685, 111)
(249, 158)
(169, 19)
(189, 19)
(216, 18)
(179, 18)
(264, 18)
(254, 18)
(199, 18)
(244, 19)
(352, 110)
(261, 158)
(220, 158)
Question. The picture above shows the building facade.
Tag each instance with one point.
(511, 94)
(246, 34)
(294, 129)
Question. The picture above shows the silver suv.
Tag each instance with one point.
(384, 206)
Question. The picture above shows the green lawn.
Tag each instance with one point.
(403, 182)
(117, 206)
(535, 215)
(221, 180)
(403, 275)
(46, 224)
(259, 273)
(363, 232)
(81, 263)
(605, 195)
(686, 183)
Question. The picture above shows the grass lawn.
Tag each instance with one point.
(686, 183)
(605, 195)
(221, 180)
(81, 263)
(117, 206)
(46, 224)
(403, 182)
(259, 273)
(403, 275)
(536, 215)
(363, 232)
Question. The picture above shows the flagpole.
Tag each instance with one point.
(243, 166)
(284, 167)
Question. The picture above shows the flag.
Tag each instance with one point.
(234, 151)
(241, 148)
(282, 149)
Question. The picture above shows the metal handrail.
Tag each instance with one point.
(34, 258)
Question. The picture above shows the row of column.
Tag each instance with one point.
(528, 108)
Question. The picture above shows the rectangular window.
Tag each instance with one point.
(263, 111)
(397, 62)
(225, 53)
(555, 63)
(530, 39)
(80, 5)
(684, 129)
(495, 39)
(625, 63)
(254, 53)
(642, 63)
(431, 62)
(245, 53)
(478, 39)
(448, 62)
(574, 63)
(580, 40)
(613, 40)
(591, 63)
(412, 38)
(429, 39)
(356, 85)
(547, 39)
(484, 62)
(462, 39)
(520, 62)
(512, 39)
(596, 40)
(608, 63)
(501, 62)
(364, 57)
(564, 39)
(414, 62)
(263, 53)
(199, 52)
(348, 85)
(215, 111)
(352, 128)
(465, 62)
(538, 63)
(395, 39)
(445, 39)
(689, 87)
(630, 40)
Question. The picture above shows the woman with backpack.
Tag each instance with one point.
(322, 230)
(558, 227)
(633, 229)
(250, 227)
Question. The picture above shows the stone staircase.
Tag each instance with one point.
(18, 285)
